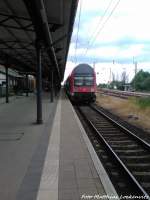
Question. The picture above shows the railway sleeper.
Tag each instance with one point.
(138, 169)
(136, 157)
(125, 142)
(122, 149)
(110, 133)
(128, 151)
(140, 165)
(143, 174)
(118, 139)
(108, 126)
(102, 123)
(109, 139)
(146, 185)
(124, 146)
(135, 160)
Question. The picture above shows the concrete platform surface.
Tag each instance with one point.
(52, 161)
(23, 146)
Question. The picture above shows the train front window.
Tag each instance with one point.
(83, 81)
(88, 81)
(78, 81)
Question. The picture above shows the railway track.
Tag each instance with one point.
(125, 156)
(123, 94)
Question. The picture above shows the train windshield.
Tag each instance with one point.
(83, 81)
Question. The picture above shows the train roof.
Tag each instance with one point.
(83, 68)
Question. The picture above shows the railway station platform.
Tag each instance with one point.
(50, 161)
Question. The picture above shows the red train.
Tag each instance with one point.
(81, 84)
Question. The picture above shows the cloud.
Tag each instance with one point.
(125, 35)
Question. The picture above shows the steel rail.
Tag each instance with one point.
(125, 130)
(138, 188)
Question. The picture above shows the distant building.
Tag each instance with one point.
(128, 87)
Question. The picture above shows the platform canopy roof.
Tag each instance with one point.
(24, 22)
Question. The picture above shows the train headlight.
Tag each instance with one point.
(72, 94)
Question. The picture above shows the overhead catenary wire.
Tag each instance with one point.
(99, 23)
(78, 27)
(102, 27)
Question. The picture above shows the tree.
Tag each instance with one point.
(102, 85)
(141, 81)
(146, 84)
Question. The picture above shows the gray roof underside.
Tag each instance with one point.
(21, 24)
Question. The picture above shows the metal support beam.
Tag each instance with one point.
(39, 83)
(38, 15)
(7, 85)
(55, 90)
(52, 86)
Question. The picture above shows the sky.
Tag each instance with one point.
(112, 36)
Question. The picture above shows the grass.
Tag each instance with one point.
(133, 106)
(142, 102)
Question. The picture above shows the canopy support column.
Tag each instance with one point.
(7, 84)
(39, 82)
(27, 86)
